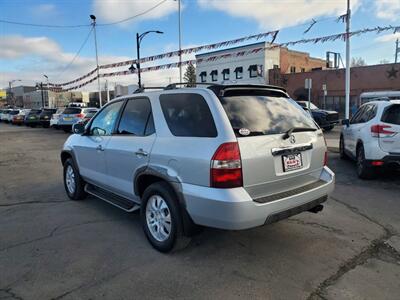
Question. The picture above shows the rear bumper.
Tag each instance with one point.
(234, 209)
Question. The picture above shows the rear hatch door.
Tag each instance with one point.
(280, 145)
(390, 141)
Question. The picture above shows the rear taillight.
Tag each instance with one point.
(80, 116)
(326, 158)
(380, 130)
(226, 167)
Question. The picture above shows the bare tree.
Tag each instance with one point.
(357, 62)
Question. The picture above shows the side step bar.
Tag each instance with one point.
(116, 200)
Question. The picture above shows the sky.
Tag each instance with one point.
(29, 52)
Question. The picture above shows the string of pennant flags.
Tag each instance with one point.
(273, 34)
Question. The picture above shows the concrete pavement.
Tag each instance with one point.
(54, 248)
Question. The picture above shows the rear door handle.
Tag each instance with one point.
(99, 148)
(141, 152)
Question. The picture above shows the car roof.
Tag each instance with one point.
(216, 88)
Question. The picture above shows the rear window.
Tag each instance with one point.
(72, 111)
(392, 115)
(188, 115)
(14, 112)
(263, 115)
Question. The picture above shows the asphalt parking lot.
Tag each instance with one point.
(54, 248)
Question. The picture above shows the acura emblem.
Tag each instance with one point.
(292, 139)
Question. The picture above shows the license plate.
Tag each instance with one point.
(67, 119)
(292, 162)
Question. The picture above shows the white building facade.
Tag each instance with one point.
(225, 66)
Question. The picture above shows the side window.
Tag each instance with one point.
(367, 114)
(135, 118)
(104, 122)
(355, 119)
(188, 115)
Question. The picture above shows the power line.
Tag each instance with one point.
(76, 55)
(84, 25)
(135, 16)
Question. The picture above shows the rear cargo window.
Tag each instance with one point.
(71, 111)
(188, 115)
(392, 115)
(263, 115)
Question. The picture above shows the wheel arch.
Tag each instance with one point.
(65, 154)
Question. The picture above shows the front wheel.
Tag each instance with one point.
(364, 171)
(342, 151)
(73, 182)
(161, 218)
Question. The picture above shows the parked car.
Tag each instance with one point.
(18, 119)
(72, 115)
(55, 117)
(11, 114)
(88, 117)
(32, 118)
(372, 137)
(326, 119)
(230, 157)
(45, 116)
(4, 115)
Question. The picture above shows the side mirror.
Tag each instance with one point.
(78, 128)
(346, 122)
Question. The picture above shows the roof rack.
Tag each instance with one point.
(172, 86)
(143, 88)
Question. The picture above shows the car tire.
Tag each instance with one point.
(160, 207)
(342, 151)
(363, 170)
(73, 182)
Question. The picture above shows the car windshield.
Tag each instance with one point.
(263, 115)
(72, 111)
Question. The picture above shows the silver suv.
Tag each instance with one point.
(231, 157)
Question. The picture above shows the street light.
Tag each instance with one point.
(93, 17)
(47, 89)
(139, 38)
(39, 85)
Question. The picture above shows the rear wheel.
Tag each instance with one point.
(73, 182)
(364, 171)
(161, 218)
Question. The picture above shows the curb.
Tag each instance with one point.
(333, 149)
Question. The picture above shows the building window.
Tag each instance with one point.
(225, 74)
(214, 75)
(253, 71)
(203, 76)
(292, 69)
(239, 72)
(303, 70)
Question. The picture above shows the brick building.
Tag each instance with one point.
(253, 66)
(363, 79)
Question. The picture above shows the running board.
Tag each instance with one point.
(116, 200)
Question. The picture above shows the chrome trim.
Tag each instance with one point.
(291, 149)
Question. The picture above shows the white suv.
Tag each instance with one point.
(372, 137)
(231, 157)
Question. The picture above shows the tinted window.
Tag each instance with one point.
(72, 111)
(188, 115)
(392, 115)
(263, 115)
(356, 118)
(104, 122)
(135, 117)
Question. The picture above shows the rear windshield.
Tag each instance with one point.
(392, 115)
(72, 111)
(35, 111)
(48, 111)
(14, 112)
(188, 115)
(90, 114)
(263, 115)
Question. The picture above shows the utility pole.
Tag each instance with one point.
(40, 85)
(397, 51)
(180, 40)
(93, 17)
(47, 90)
(348, 17)
(108, 91)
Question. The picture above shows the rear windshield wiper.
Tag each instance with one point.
(288, 133)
